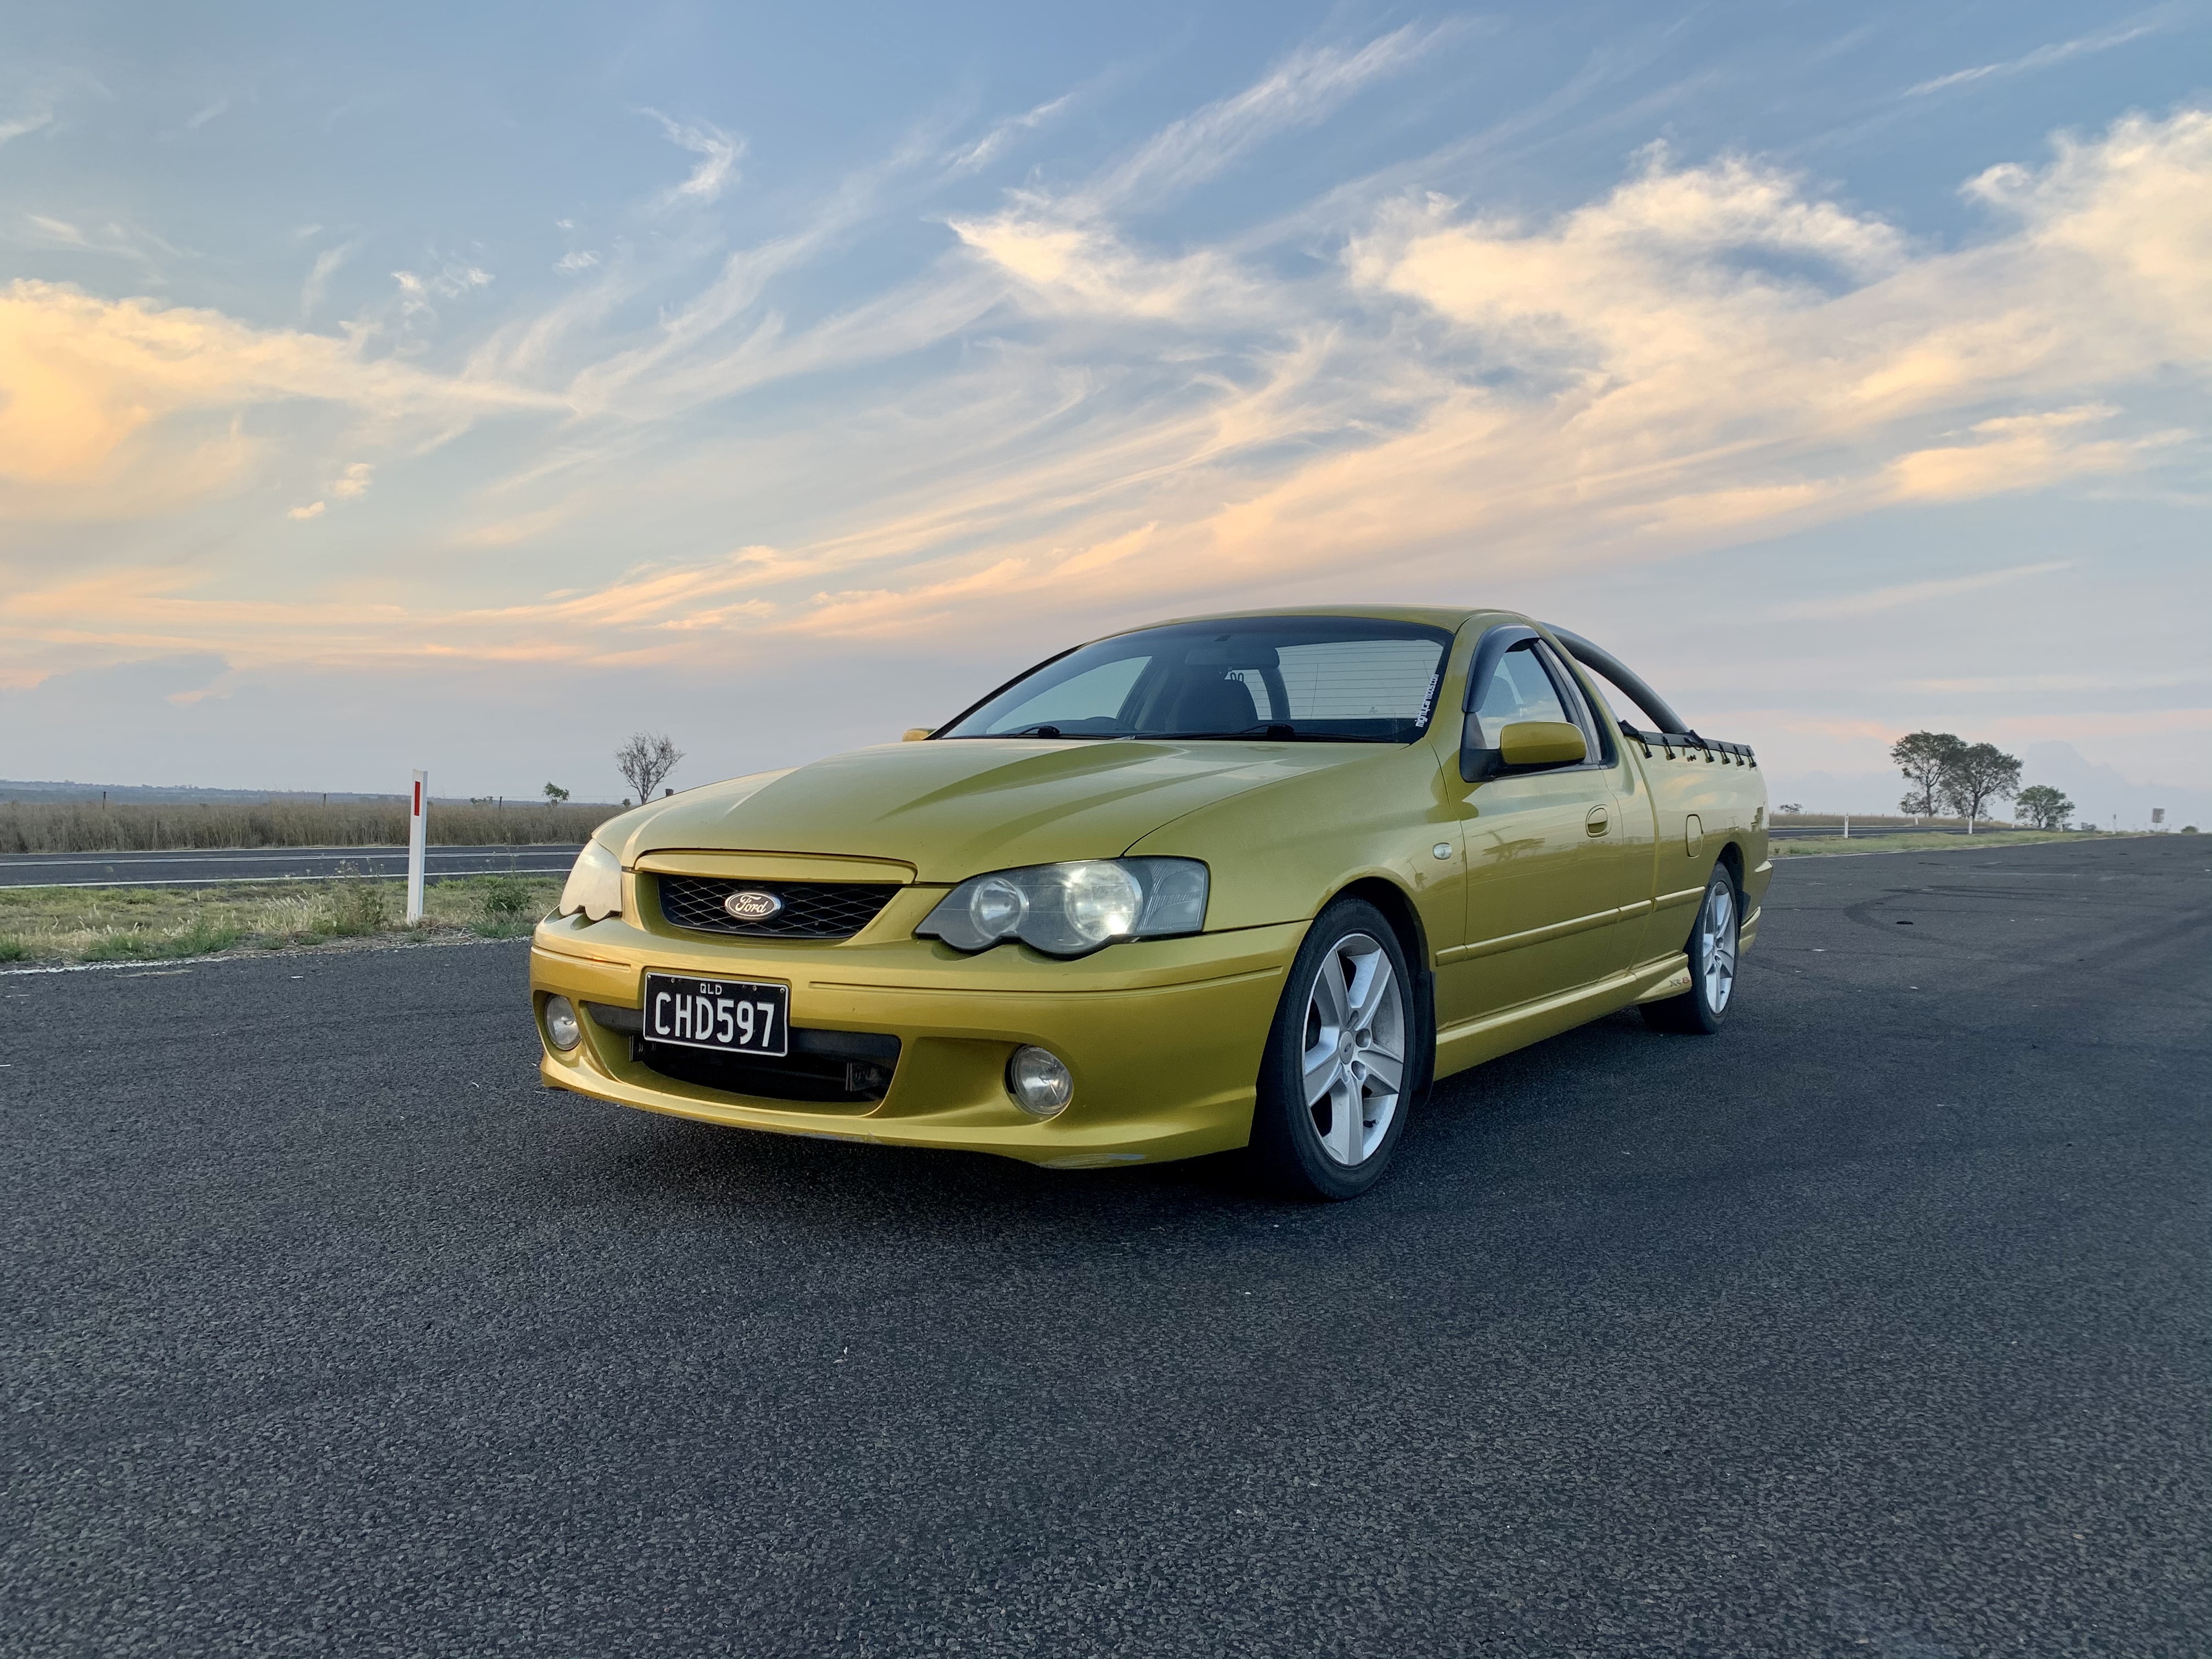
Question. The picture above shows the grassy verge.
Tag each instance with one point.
(1924, 843)
(88, 827)
(153, 924)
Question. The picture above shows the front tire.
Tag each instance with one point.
(1343, 1060)
(1712, 952)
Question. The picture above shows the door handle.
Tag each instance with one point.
(1598, 821)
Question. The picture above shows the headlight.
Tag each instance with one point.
(1070, 910)
(594, 884)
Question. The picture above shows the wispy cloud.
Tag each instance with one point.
(29, 119)
(450, 281)
(2042, 58)
(319, 274)
(57, 230)
(206, 114)
(1908, 593)
(988, 149)
(1304, 87)
(717, 166)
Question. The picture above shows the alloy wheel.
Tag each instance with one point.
(1354, 1061)
(1716, 945)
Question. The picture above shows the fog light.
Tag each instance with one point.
(561, 1023)
(1039, 1081)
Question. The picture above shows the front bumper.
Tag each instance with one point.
(1164, 1036)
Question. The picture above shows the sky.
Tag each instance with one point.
(468, 387)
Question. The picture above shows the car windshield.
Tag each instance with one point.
(1326, 679)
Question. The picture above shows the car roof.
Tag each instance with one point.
(1433, 616)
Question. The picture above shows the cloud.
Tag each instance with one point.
(989, 147)
(2019, 452)
(1084, 267)
(2041, 58)
(1059, 422)
(717, 167)
(449, 282)
(58, 230)
(575, 260)
(353, 482)
(312, 510)
(207, 114)
(103, 403)
(30, 121)
(1908, 593)
(319, 274)
(1302, 89)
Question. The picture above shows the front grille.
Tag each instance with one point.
(837, 1068)
(812, 909)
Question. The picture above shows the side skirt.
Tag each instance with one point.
(1472, 1041)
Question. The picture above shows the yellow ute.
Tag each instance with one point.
(1240, 881)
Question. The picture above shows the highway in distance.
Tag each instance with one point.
(220, 866)
(1877, 1324)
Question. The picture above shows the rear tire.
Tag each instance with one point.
(1712, 952)
(1344, 1062)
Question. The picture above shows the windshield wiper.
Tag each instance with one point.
(1045, 729)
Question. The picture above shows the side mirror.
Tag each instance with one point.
(917, 733)
(1523, 746)
(1542, 742)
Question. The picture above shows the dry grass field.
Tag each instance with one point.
(1908, 841)
(42, 925)
(89, 827)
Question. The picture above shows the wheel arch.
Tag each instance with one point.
(1731, 855)
(1394, 902)
(1398, 909)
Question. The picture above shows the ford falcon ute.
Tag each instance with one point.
(1250, 881)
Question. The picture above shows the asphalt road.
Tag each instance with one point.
(1878, 1324)
(1786, 831)
(213, 868)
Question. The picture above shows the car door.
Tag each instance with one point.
(1549, 857)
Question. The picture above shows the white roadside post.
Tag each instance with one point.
(415, 842)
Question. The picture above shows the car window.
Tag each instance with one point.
(1519, 689)
(1093, 692)
(1599, 742)
(1335, 679)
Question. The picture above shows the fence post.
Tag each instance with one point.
(1847, 826)
(416, 843)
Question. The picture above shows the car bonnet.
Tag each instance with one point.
(953, 808)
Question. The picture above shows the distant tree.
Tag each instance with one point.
(1977, 773)
(1789, 806)
(1925, 757)
(645, 760)
(555, 795)
(2043, 806)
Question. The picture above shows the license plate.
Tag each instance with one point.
(728, 1016)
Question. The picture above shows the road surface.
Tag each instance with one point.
(1877, 1324)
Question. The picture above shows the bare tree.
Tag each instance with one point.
(1925, 757)
(644, 760)
(1976, 774)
